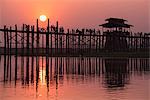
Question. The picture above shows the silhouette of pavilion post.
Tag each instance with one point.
(116, 32)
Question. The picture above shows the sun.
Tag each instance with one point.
(43, 18)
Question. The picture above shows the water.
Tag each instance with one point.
(40, 78)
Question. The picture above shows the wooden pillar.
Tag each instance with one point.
(93, 42)
(28, 35)
(23, 53)
(83, 40)
(55, 45)
(86, 39)
(23, 39)
(5, 41)
(47, 40)
(147, 43)
(90, 42)
(10, 53)
(134, 39)
(4, 52)
(16, 51)
(37, 58)
(136, 45)
(51, 43)
(66, 43)
(144, 42)
(47, 52)
(68, 40)
(32, 62)
(140, 41)
(57, 37)
(32, 42)
(60, 43)
(43, 49)
(129, 43)
(99, 41)
(7, 36)
(103, 41)
(73, 39)
(132, 47)
(27, 54)
(79, 45)
(96, 44)
(38, 37)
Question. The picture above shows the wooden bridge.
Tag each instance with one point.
(55, 41)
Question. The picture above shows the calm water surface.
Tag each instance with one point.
(41, 78)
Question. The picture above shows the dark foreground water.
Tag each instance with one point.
(41, 78)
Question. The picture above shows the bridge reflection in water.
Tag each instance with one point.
(115, 71)
(50, 71)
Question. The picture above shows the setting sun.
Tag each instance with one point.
(43, 18)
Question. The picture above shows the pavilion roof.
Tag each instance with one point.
(115, 22)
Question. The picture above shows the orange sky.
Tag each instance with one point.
(76, 13)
